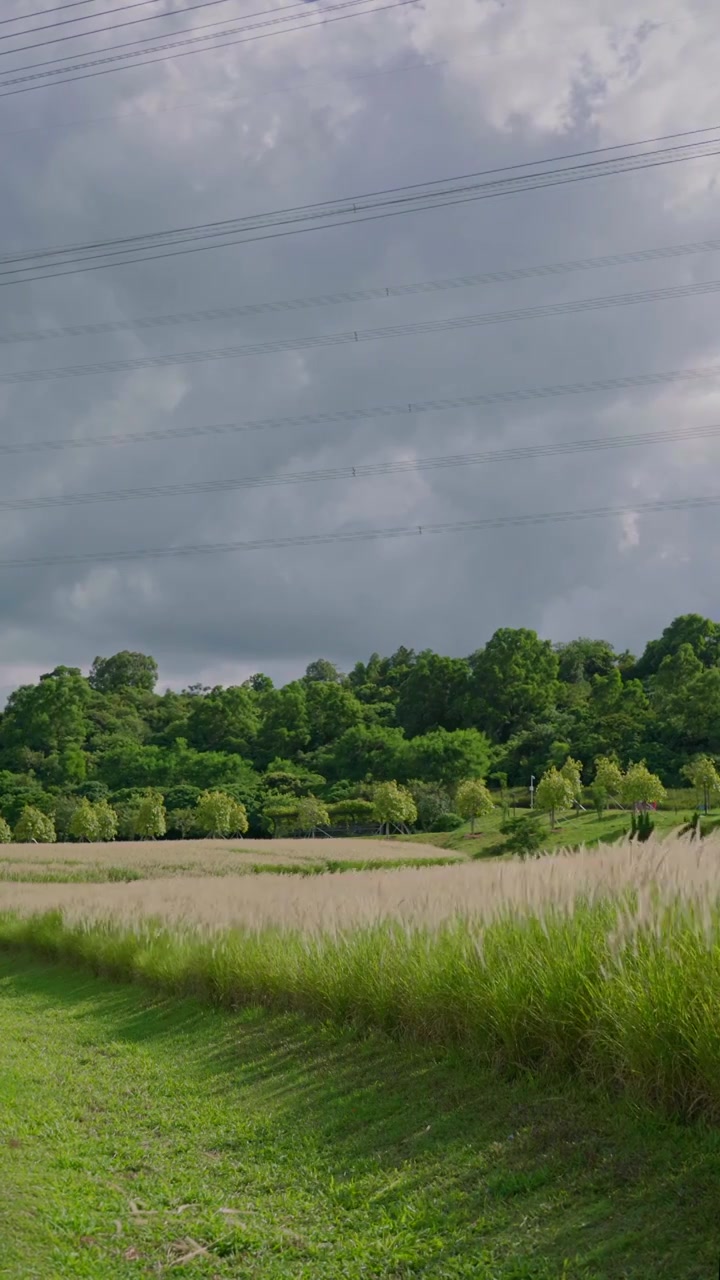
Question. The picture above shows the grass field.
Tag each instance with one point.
(144, 1136)
(145, 859)
(545, 1105)
(417, 896)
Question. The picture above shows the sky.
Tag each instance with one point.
(392, 97)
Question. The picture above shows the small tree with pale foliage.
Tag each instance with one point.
(703, 775)
(107, 821)
(218, 814)
(311, 814)
(84, 822)
(34, 827)
(572, 772)
(473, 800)
(393, 806)
(554, 791)
(5, 832)
(608, 777)
(150, 821)
(640, 786)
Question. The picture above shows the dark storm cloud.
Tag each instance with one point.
(305, 128)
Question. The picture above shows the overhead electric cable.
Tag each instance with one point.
(163, 35)
(169, 56)
(355, 337)
(363, 471)
(407, 408)
(364, 535)
(90, 17)
(57, 8)
(378, 293)
(349, 212)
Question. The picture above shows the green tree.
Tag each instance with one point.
(608, 776)
(432, 802)
(599, 798)
(581, 659)
(473, 800)
(366, 751)
(322, 672)
(704, 777)
(224, 720)
(218, 815)
(554, 791)
(331, 709)
(34, 827)
(44, 726)
(281, 812)
(125, 670)
(311, 814)
(351, 812)
(5, 832)
(640, 786)
(572, 772)
(84, 822)
(393, 806)
(150, 820)
(701, 634)
(514, 681)
(448, 757)
(285, 728)
(107, 821)
(181, 797)
(181, 822)
(434, 694)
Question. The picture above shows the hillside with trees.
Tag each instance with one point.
(108, 753)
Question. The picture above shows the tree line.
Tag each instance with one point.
(518, 706)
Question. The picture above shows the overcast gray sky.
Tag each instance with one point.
(309, 116)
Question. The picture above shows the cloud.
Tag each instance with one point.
(313, 116)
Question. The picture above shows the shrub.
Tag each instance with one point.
(641, 827)
(5, 832)
(523, 835)
(446, 822)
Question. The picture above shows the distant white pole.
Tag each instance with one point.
(532, 791)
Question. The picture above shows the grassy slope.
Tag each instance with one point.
(571, 831)
(342, 1157)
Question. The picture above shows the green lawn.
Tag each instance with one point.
(143, 1136)
(571, 830)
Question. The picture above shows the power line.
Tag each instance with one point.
(89, 17)
(376, 294)
(57, 8)
(184, 53)
(363, 471)
(365, 535)
(357, 202)
(153, 17)
(356, 337)
(404, 409)
(325, 215)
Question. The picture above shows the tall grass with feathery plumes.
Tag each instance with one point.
(606, 964)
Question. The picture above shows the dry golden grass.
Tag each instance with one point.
(199, 857)
(481, 890)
